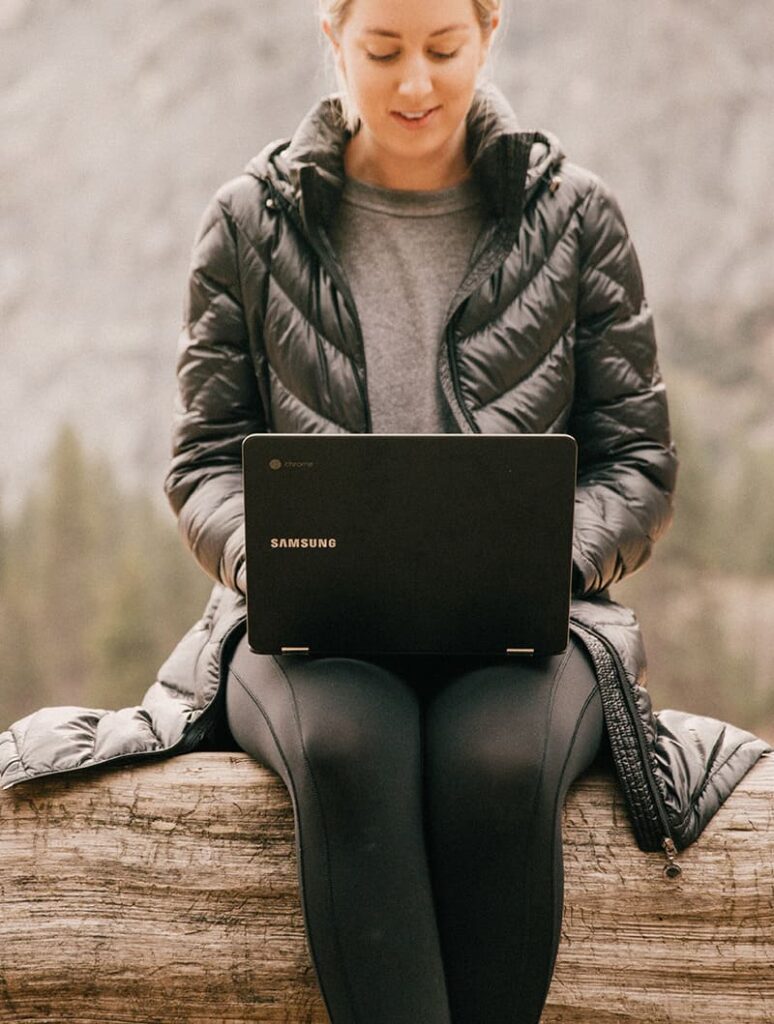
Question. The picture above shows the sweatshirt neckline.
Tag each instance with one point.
(411, 202)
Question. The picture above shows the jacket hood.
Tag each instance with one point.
(307, 169)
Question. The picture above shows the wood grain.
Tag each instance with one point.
(167, 892)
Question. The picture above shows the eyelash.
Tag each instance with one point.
(390, 56)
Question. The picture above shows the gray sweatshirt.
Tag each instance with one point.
(405, 252)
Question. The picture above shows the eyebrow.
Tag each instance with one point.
(396, 35)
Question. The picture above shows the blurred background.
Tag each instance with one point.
(119, 122)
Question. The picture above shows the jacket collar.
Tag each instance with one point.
(308, 168)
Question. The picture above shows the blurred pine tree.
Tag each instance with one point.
(96, 587)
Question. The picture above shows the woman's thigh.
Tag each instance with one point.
(332, 713)
(515, 723)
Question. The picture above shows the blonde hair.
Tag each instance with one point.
(336, 11)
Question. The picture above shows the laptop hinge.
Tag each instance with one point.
(519, 650)
(294, 650)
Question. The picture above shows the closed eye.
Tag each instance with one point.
(392, 56)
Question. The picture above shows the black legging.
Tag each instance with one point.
(427, 793)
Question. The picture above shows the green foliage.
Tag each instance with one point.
(747, 544)
(96, 587)
(707, 644)
(723, 518)
(695, 524)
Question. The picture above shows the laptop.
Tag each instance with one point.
(379, 544)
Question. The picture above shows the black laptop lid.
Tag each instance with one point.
(408, 543)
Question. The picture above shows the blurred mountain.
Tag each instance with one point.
(119, 121)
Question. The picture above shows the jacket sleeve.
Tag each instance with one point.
(217, 404)
(627, 463)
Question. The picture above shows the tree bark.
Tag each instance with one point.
(167, 892)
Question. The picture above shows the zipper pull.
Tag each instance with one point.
(671, 869)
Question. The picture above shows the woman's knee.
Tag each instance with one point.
(502, 765)
(485, 740)
(507, 731)
(357, 719)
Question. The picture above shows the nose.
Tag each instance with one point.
(416, 81)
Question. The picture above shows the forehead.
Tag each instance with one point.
(394, 19)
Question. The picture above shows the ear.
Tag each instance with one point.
(328, 30)
(494, 22)
(338, 56)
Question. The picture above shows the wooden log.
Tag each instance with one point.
(167, 892)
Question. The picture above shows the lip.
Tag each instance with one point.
(414, 125)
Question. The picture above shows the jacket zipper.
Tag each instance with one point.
(329, 260)
(492, 257)
(337, 272)
(671, 869)
(450, 339)
(485, 255)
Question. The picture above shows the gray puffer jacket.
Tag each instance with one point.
(548, 331)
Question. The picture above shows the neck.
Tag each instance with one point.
(365, 160)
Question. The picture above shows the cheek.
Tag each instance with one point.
(457, 86)
(367, 82)
(466, 71)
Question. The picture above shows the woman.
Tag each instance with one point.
(487, 285)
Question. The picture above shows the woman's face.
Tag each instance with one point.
(411, 56)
